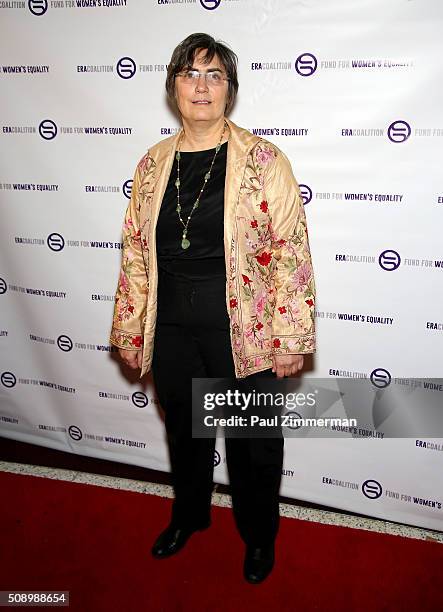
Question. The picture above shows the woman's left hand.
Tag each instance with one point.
(287, 365)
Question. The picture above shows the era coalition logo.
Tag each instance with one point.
(55, 242)
(127, 188)
(306, 193)
(47, 129)
(389, 260)
(8, 379)
(399, 131)
(126, 68)
(217, 458)
(75, 432)
(380, 378)
(140, 399)
(295, 417)
(210, 5)
(38, 7)
(3, 286)
(65, 343)
(372, 489)
(306, 64)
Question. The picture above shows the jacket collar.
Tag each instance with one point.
(240, 143)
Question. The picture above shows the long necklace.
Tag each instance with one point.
(185, 243)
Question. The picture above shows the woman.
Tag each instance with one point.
(216, 281)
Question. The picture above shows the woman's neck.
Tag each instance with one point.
(200, 135)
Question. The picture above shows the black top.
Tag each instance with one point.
(205, 255)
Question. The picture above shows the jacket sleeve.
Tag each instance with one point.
(293, 324)
(131, 294)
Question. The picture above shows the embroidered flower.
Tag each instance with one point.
(264, 258)
(310, 302)
(144, 163)
(254, 223)
(276, 343)
(302, 276)
(259, 325)
(124, 309)
(282, 309)
(137, 341)
(249, 333)
(128, 225)
(246, 280)
(233, 302)
(259, 302)
(264, 155)
(124, 283)
(264, 206)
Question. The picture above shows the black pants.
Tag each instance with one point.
(192, 339)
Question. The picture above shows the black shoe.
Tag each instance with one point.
(259, 562)
(172, 539)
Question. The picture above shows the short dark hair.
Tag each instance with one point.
(184, 55)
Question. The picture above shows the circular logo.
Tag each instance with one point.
(210, 5)
(296, 415)
(389, 260)
(64, 343)
(75, 432)
(38, 7)
(47, 129)
(380, 378)
(372, 489)
(8, 379)
(217, 458)
(306, 193)
(306, 64)
(127, 188)
(126, 68)
(55, 242)
(399, 131)
(139, 399)
(3, 286)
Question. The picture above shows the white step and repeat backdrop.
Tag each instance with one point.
(350, 90)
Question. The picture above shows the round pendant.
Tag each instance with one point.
(185, 243)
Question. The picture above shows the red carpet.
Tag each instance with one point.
(95, 542)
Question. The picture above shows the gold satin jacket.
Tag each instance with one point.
(270, 287)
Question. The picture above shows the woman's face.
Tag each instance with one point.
(201, 100)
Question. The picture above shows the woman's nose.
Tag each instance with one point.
(201, 83)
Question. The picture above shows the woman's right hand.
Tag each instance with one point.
(132, 358)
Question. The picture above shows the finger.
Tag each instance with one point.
(139, 358)
(280, 371)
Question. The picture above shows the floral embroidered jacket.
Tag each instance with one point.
(270, 287)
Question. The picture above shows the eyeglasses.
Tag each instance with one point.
(191, 77)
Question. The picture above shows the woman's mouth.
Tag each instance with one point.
(201, 102)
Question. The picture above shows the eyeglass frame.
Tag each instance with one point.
(202, 74)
